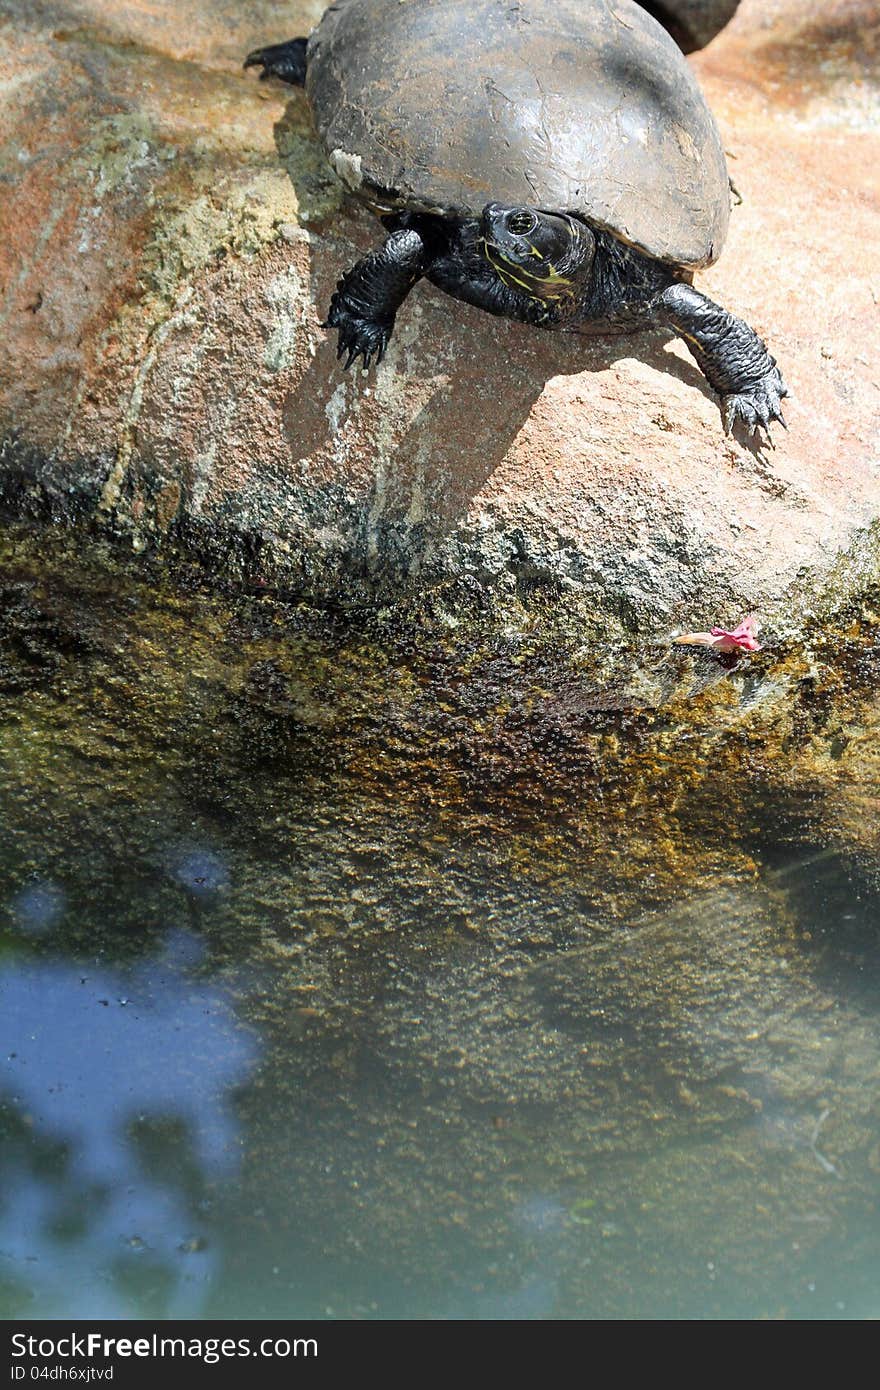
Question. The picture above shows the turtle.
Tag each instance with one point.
(549, 161)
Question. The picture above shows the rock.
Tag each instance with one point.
(516, 973)
(172, 234)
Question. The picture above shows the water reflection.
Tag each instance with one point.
(118, 1127)
(38, 906)
(201, 871)
(328, 989)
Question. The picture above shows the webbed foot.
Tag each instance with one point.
(286, 61)
(358, 336)
(756, 406)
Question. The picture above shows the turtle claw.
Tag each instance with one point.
(757, 406)
(358, 337)
(258, 59)
(286, 61)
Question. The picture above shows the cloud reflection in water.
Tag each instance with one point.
(116, 1121)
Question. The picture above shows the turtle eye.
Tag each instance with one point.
(521, 222)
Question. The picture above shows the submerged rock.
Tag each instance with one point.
(338, 965)
(172, 234)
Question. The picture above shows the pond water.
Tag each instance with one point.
(343, 982)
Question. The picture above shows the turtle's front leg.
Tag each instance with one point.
(369, 295)
(731, 356)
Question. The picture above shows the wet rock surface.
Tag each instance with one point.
(491, 1004)
(171, 237)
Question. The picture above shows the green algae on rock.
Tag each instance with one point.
(528, 976)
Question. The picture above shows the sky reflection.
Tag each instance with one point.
(117, 1124)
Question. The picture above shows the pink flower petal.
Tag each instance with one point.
(741, 638)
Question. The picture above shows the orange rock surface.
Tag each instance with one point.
(170, 234)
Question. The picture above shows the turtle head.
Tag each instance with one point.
(546, 255)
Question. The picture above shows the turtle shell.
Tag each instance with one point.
(581, 106)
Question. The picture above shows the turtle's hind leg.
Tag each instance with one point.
(286, 61)
(369, 295)
(731, 356)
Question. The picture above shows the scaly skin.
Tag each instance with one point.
(731, 356)
(366, 300)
